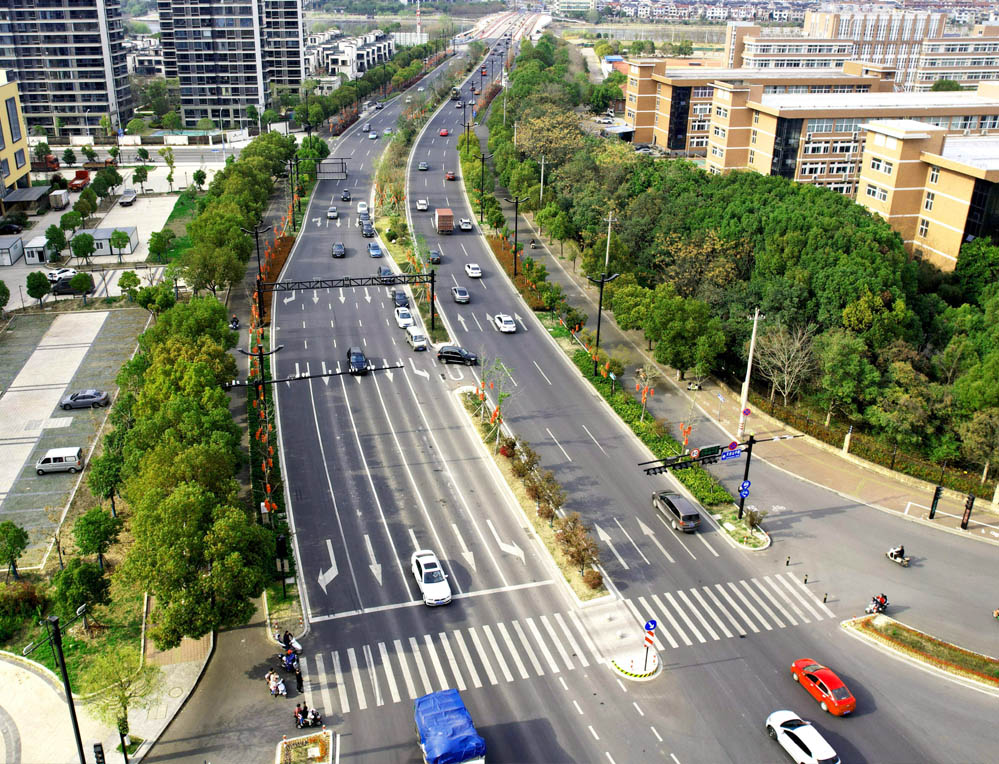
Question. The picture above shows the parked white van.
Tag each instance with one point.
(416, 338)
(60, 460)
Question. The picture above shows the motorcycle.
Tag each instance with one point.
(234, 324)
(877, 605)
(903, 561)
(289, 662)
(533, 245)
(312, 719)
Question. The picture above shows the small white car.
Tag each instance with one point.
(504, 323)
(422, 205)
(362, 207)
(387, 131)
(404, 318)
(430, 578)
(60, 273)
(420, 89)
(473, 271)
(465, 224)
(802, 742)
(373, 135)
(332, 214)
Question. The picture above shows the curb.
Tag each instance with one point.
(644, 676)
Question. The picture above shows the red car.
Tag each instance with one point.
(823, 685)
(449, 175)
(443, 132)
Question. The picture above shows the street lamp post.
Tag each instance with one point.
(745, 384)
(482, 185)
(604, 279)
(516, 218)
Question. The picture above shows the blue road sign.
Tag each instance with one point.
(726, 455)
(745, 485)
(744, 493)
(651, 625)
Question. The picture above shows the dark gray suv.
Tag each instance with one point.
(356, 362)
(681, 513)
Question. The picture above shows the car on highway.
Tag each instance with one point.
(338, 250)
(430, 578)
(64, 287)
(422, 205)
(60, 273)
(373, 135)
(127, 198)
(384, 274)
(357, 363)
(473, 271)
(366, 127)
(362, 208)
(678, 510)
(400, 299)
(422, 166)
(379, 106)
(449, 175)
(822, 684)
(373, 249)
(465, 224)
(455, 354)
(387, 131)
(504, 323)
(471, 103)
(435, 257)
(459, 105)
(460, 294)
(367, 230)
(799, 739)
(332, 214)
(420, 89)
(404, 318)
(86, 399)
(443, 133)
(345, 195)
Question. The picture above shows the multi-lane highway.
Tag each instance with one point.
(383, 464)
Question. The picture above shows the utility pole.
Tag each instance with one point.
(516, 218)
(604, 279)
(745, 385)
(482, 184)
(541, 197)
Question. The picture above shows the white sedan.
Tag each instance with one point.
(403, 317)
(504, 323)
(465, 224)
(422, 205)
(430, 578)
(473, 271)
(803, 743)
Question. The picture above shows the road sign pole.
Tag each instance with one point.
(745, 474)
(646, 667)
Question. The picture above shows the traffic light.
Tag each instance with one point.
(98, 753)
(937, 493)
(969, 502)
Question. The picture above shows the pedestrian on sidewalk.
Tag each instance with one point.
(299, 680)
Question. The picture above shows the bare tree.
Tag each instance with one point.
(784, 358)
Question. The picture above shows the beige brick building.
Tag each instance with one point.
(15, 160)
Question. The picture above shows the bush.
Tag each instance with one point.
(527, 462)
(17, 216)
(19, 601)
(593, 579)
(508, 447)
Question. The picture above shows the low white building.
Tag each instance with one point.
(37, 251)
(102, 239)
(11, 249)
(331, 56)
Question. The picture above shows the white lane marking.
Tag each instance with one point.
(499, 655)
(450, 659)
(766, 591)
(557, 641)
(421, 667)
(468, 658)
(666, 525)
(541, 372)
(389, 674)
(661, 629)
(561, 681)
(513, 651)
(704, 541)
(609, 757)
(651, 534)
(707, 609)
(355, 674)
(438, 668)
(604, 536)
(593, 439)
(654, 732)
(593, 731)
(598, 656)
(679, 611)
(673, 756)
(370, 661)
(576, 704)
(723, 610)
(544, 647)
(477, 643)
(638, 708)
(697, 614)
(324, 688)
(628, 536)
(762, 604)
(476, 320)
(406, 675)
(807, 593)
(567, 633)
(748, 604)
(784, 596)
(341, 690)
(532, 654)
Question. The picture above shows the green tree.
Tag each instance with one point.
(316, 114)
(977, 267)
(41, 150)
(142, 153)
(83, 246)
(84, 208)
(113, 152)
(82, 283)
(135, 126)
(980, 438)
(111, 176)
(89, 153)
(120, 241)
(69, 156)
(100, 186)
(167, 153)
(13, 541)
(105, 123)
(269, 117)
(218, 227)
(199, 177)
(847, 378)
(79, 583)
(140, 175)
(38, 286)
(128, 282)
(943, 85)
(70, 221)
(160, 243)
(208, 267)
(55, 238)
(4, 298)
(172, 121)
(121, 682)
(253, 114)
(902, 409)
(104, 473)
(206, 124)
(156, 299)
(95, 531)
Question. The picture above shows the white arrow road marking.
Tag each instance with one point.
(466, 552)
(628, 536)
(366, 295)
(421, 372)
(376, 569)
(647, 531)
(605, 537)
(342, 298)
(513, 549)
(326, 380)
(315, 296)
(297, 372)
(461, 320)
(289, 298)
(326, 576)
(520, 320)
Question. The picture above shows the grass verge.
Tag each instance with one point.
(928, 649)
(545, 531)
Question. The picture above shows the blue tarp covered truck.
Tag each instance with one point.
(447, 735)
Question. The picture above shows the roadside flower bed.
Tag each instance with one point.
(310, 749)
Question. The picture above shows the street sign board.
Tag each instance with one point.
(651, 625)
(730, 455)
(746, 412)
(745, 485)
(710, 450)
(733, 445)
(744, 493)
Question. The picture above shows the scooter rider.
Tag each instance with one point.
(898, 553)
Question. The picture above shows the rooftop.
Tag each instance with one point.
(753, 74)
(980, 151)
(908, 101)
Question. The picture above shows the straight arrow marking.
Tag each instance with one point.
(647, 531)
(376, 569)
(466, 553)
(605, 537)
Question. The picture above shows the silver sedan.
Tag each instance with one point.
(85, 399)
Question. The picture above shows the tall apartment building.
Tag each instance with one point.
(911, 42)
(15, 162)
(230, 56)
(68, 60)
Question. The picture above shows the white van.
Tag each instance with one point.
(416, 338)
(60, 460)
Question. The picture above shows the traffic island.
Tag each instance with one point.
(965, 666)
(316, 748)
(637, 665)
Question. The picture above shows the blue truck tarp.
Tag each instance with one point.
(447, 734)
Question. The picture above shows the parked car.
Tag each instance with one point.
(63, 287)
(449, 175)
(504, 323)
(85, 399)
(822, 684)
(460, 294)
(465, 224)
(473, 271)
(127, 198)
(338, 250)
(404, 318)
(678, 510)
(60, 273)
(400, 299)
(422, 205)
(357, 363)
(430, 578)
(422, 166)
(443, 132)
(802, 742)
(373, 249)
(471, 103)
(8, 227)
(435, 257)
(332, 214)
(384, 274)
(455, 354)
(345, 195)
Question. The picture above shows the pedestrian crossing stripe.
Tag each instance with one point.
(358, 677)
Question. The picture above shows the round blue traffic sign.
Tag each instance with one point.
(744, 493)
(745, 485)
(651, 625)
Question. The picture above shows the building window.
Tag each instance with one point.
(19, 158)
(752, 156)
(722, 112)
(15, 123)
(877, 193)
(719, 131)
(934, 174)
(928, 202)
(880, 165)
(717, 151)
(756, 118)
(4, 168)
(752, 137)
(924, 226)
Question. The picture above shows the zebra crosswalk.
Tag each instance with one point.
(372, 675)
